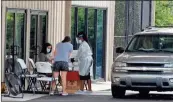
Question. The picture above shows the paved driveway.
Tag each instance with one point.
(105, 96)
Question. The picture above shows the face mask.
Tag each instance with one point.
(80, 41)
(48, 50)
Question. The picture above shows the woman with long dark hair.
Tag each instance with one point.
(46, 56)
(62, 54)
(46, 53)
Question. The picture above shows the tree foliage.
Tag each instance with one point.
(164, 13)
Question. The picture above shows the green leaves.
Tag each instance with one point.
(164, 13)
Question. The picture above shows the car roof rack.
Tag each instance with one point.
(155, 27)
(159, 27)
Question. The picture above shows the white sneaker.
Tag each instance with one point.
(88, 91)
(64, 94)
(79, 92)
(51, 93)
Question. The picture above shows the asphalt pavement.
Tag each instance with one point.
(105, 96)
(101, 93)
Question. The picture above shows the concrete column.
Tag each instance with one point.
(67, 18)
(153, 13)
(28, 20)
(3, 24)
(0, 45)
(28, 17)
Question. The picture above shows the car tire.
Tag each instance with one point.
(144, 92)
(118, 92)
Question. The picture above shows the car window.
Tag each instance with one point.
(151, 43)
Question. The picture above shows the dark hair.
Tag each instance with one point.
(44, 48)
(83, 35)
(66, 39)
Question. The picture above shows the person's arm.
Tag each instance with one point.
(48, 58)
(70, 51)
(53, 55)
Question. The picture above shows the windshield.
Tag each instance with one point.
(151, 43)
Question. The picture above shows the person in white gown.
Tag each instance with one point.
(84, 57)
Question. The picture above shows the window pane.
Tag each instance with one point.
(91, 28)
(81, 18)
(9, 31)
(42, 36)
(91, 32)
(99, 43)
(72, 26)
(33, 34)
(19, 37)
(38, 34)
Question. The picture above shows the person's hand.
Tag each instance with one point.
(72, 60)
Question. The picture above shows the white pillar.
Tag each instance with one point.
(2, 36)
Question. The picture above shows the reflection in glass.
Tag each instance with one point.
(73, 41)
(99, 43)
(91, 28)
(42, 35)
(37, 35)
(15, 33)
(19, 37)
(9, 31)
(91, 37)
(81, 18)
(33, 36)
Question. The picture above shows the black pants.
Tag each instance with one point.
(87, 77)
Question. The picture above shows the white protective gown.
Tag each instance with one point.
(84, 56)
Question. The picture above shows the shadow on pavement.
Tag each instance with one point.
(150, 97)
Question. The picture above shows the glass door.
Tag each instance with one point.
(15, 34)
(10, 29)
(38, 33)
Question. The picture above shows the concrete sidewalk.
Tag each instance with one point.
(101, 86)
(26, 97)
(97, 86)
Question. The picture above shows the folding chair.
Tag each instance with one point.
(33, 66)
(32, 76)
(26, 75)
(45, 68)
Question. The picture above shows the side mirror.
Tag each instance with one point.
(119, 50)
